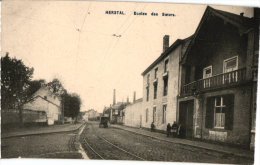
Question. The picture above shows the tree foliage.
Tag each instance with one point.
(35, 85)
(15, 78)
(57, 86)
(72, 103)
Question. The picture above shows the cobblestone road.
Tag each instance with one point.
(57, 145)
(149, 148)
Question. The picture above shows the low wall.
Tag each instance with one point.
(11, 116)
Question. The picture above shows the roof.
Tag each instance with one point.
(139, 100)
(185, 41)
(162, 56)
(241, 22)
(38, 96)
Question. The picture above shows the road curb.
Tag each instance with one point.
(216, 150)
(42, 133)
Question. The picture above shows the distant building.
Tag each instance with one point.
(115, 111)
(46, 101)
(92, 115)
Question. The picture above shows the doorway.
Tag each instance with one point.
(186, 118)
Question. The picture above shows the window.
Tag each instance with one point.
(164, 114)
(207, 72)
(219, 112)
(165, 86)
(155, 73)
(229, 66)
(155, 90)
(166, 65)
(147, 115)
(148, 78)
(147, 93)
(154, 114)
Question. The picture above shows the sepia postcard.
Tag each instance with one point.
(134, 81)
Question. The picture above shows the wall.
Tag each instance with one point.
(170, 99)
(39, 104)
(11, 116)
(133, 114)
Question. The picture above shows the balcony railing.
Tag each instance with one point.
(217, 81)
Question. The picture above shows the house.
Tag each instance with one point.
(161, 85)
(115, 111)
(92, 115)
(45, 100)
(217, 99)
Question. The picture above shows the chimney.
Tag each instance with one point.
(114, 97)
(134, 97)
(165, 42)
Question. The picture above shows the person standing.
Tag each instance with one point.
(169, 129)
(152, 127)
(174, 129)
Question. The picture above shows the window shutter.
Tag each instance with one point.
(229, 113)
(209, 112)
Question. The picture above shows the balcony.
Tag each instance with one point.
(218, 81)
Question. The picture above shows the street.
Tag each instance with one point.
(116, 144)
(56, 145)
(109, 144)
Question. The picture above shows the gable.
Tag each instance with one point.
(216, 18)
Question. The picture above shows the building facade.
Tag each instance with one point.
(45, 100)
(161, 85)
(218, 80)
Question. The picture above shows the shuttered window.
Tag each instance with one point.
(220, 112)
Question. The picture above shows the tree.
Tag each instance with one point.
(56, 86)
(72, 103)
(15, 78)
(34, 86)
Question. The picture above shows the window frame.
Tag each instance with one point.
(147, 93)
(165, 86)
(166, 68)
(147, 115)
(219, 106)
(164, 113)
(155, 89)
(154, 114)
(228, 59)
(156, 73)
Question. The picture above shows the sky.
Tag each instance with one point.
(76, 42)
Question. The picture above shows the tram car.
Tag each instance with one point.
(104, 122)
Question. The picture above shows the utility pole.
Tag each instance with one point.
(62, 109)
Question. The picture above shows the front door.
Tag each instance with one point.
(186, 118)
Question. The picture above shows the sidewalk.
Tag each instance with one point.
(40, 130)
(208, 146)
